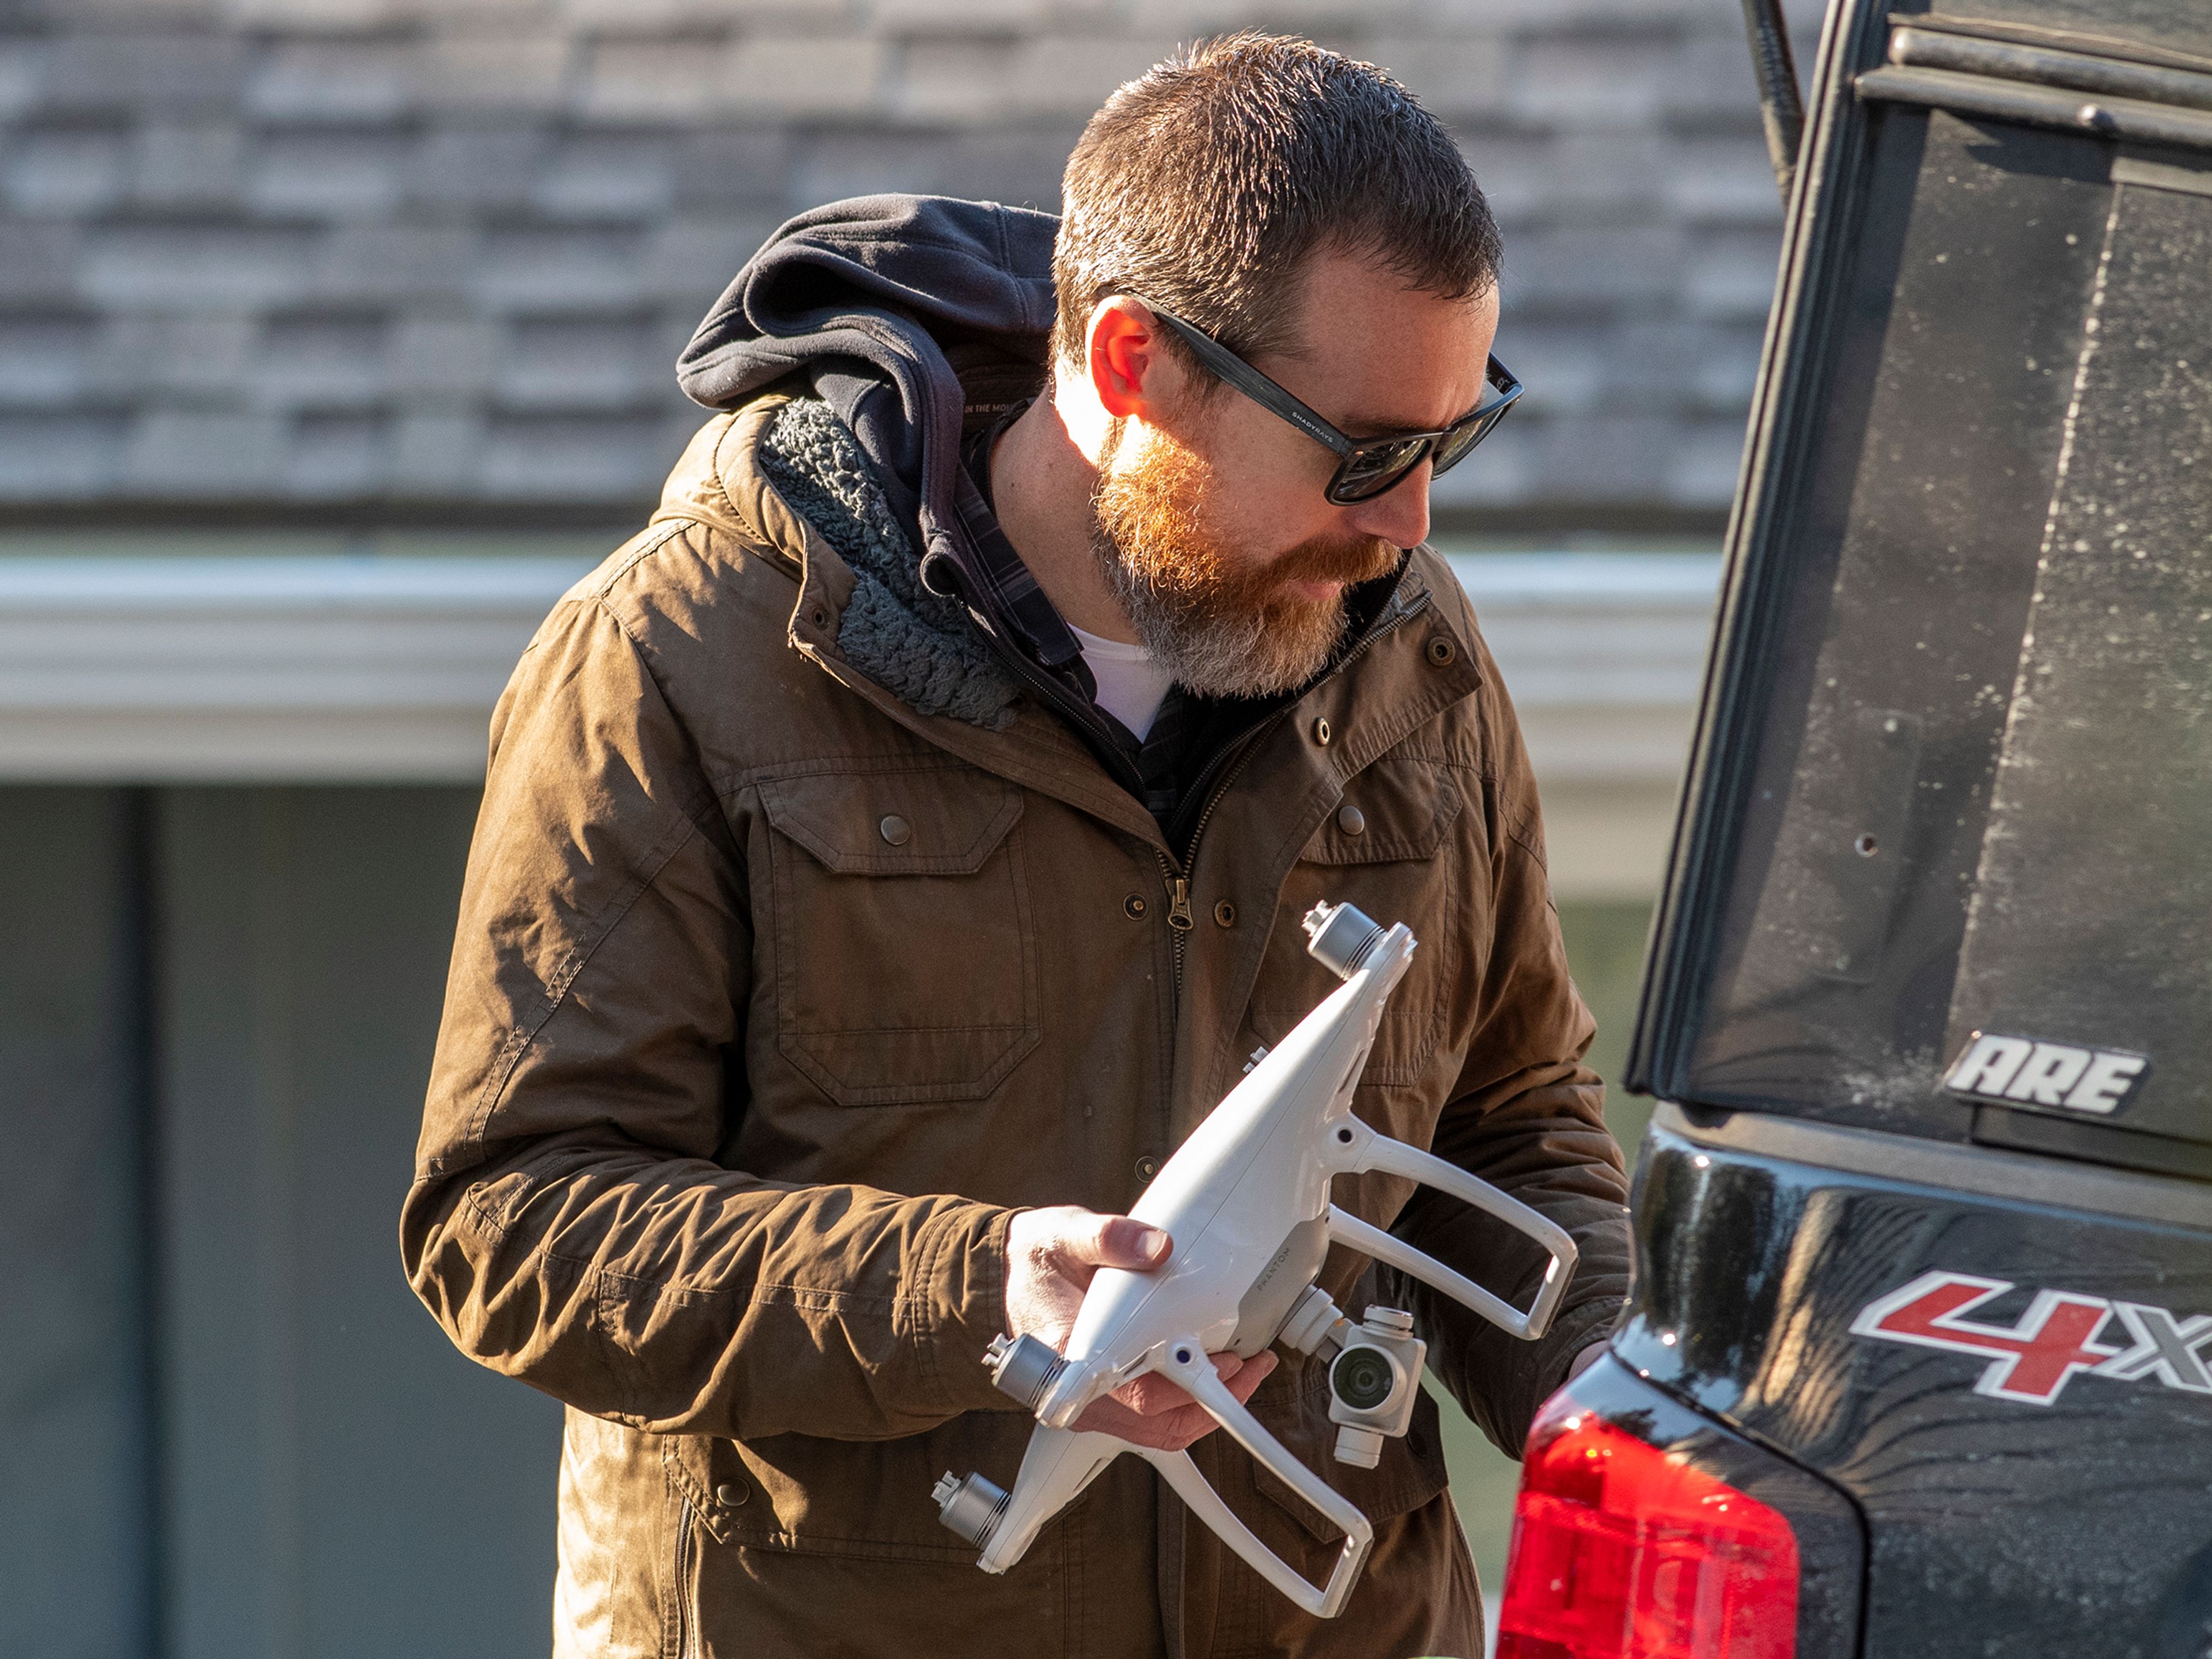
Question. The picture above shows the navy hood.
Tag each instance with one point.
(887, 304)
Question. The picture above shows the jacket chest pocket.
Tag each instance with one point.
(1392, 848)
(905, 952)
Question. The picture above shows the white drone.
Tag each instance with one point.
(1246, 1202)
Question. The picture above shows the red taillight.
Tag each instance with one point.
(1622, 1550)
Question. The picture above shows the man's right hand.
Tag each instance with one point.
(1051, 1254)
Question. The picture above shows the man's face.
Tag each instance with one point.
(1211, 525)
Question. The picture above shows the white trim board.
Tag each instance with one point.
(296, 669)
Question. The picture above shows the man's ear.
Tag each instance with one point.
(1129, 374)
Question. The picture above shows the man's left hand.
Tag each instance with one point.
(1587, 1357)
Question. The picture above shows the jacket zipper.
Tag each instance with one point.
(685, 1622)
(1175, 874)
(1175, 878)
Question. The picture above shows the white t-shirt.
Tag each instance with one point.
(1132, 683)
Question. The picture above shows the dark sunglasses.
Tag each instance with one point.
(1366, 466)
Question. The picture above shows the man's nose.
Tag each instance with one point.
(1399, 515)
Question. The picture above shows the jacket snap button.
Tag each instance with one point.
(1133, 906)
(1441, 650)
(1351, 820)
(1322, 733)
(897, 830)
(1225, 913)
(730, 1493)
(1148, 1167)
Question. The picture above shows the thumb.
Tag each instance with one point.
(1119, 1241)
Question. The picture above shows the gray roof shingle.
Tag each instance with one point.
(339, 252)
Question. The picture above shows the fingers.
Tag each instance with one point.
(1156, 1412)
(1076, 1242)
(1190, 1423)
(1107, 1415)
(1114, 1241)
(1253, 1373)
(1171, 1431)
(1154, 1395)
(1052, 1254)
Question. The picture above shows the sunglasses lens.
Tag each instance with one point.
(1453, 446)
(1372, 469)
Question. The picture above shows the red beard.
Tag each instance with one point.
(1226, 625)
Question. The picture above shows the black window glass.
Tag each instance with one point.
(1957, 776)
(2091, 919)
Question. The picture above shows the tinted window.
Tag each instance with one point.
(1962, 725)
(2091, 919)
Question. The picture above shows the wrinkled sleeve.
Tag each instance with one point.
(568, 1223)
(1528, 1117)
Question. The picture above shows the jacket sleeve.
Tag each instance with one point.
(1528, 1117)
(568, 1223)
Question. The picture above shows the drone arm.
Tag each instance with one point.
(1381, 1153)
(1180, 1473)
(1196, 1374)
(1057, 1466)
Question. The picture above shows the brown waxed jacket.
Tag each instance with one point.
(738, 1082)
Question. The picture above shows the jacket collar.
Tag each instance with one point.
(1418, 658)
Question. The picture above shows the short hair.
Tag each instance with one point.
(1204, 184)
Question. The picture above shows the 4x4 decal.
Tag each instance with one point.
(2033, 1360)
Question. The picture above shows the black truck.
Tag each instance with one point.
(1919, 1356)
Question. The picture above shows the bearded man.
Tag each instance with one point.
(889, 855)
